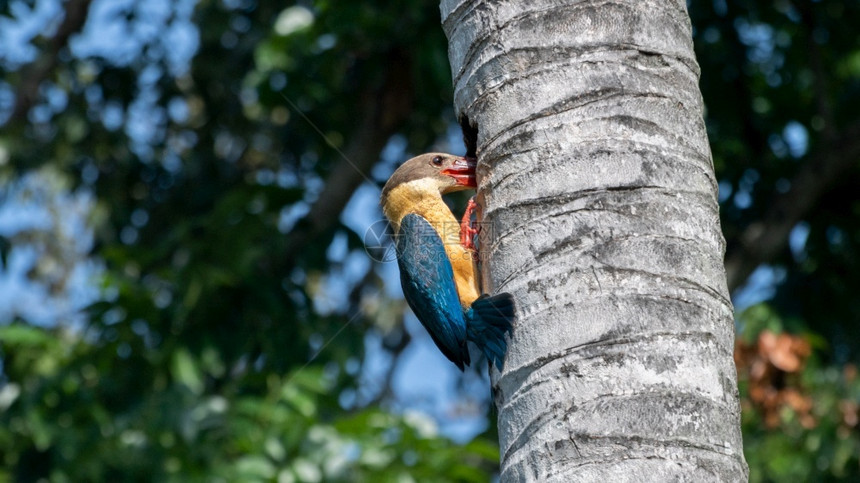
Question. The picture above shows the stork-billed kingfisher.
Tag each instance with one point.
(435, 255)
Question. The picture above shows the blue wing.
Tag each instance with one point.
(428, 284)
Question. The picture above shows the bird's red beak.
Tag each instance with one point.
(463, 171)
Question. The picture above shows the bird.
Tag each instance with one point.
(435, 255)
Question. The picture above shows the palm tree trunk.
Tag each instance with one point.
(600, 215)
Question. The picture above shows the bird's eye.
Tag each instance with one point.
(437, 161)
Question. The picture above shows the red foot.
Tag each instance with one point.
(467, 229)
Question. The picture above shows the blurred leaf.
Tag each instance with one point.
(186, 372)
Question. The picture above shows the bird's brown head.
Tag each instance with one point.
(444, 172)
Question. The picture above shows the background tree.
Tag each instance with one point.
(600, 197)
(184, 288)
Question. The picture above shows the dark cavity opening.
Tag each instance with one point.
(470, 137)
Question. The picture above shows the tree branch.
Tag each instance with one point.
(34, 74)
(823, 104)
(762, 240)
(382, 112)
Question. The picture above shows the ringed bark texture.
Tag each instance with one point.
(600, 209)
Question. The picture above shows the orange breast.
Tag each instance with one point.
(464, 274)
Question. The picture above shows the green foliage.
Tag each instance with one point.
(194, 362)
(289, 431)
(781, 91)
(780, 85)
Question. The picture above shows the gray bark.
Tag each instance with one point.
(600, 214)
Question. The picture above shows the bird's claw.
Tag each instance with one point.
(467, 226)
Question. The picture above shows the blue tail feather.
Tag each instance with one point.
(487, 321)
